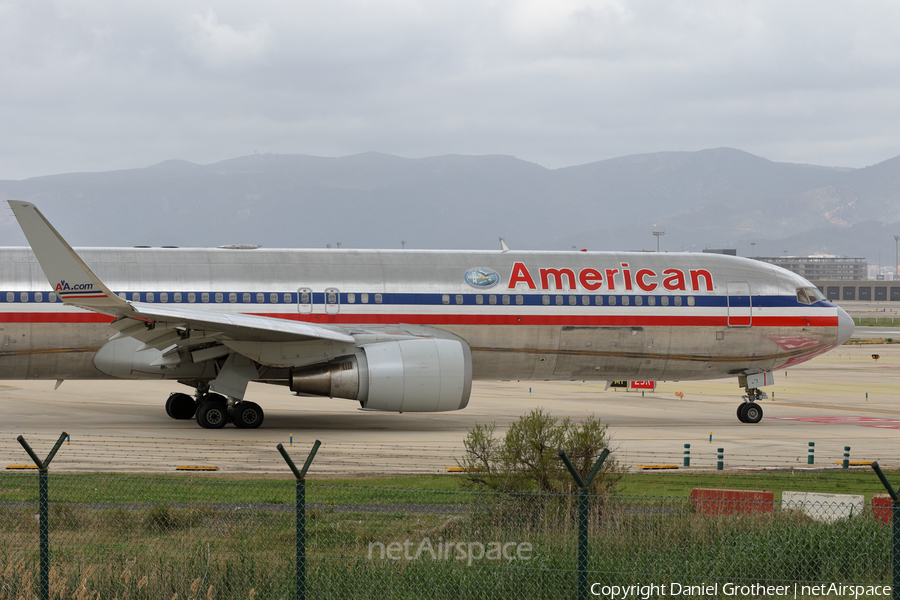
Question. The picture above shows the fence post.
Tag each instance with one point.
(300, 513)
(895, 531)
(43, 512)
(583, 514)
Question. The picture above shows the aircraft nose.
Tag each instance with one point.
(845, 326)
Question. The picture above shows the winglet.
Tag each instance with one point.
(71, 279)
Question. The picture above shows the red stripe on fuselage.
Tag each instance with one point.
(40, 317)
(506, 319)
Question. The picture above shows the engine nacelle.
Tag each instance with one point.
(122, 358)
(424, 375)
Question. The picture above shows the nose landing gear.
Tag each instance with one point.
(749, 412)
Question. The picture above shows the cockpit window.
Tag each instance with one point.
(815, 295)
(809, 295)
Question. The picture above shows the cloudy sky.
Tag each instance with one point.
(100, 84)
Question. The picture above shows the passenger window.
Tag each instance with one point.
(520, 299)
(287, 298)
(219, 296)
(505, 299)
(164, 296)
(151, 297)
(38, 297)
(377, 298)
(10, 297)
(351, 298)
(664, 300)
(177, 297)
(23, 297)
(545, 300)
(204, 297)
(232, 297)
(585, 300)
(612, 300)
(625, 301)
(573, 300)
(598, 300)
(638, 300)
(690, 300)
(304, 297)
(332, 298)
(479, 299)
(273, 298)
(651, 301)
(192, 297)
(260, 298)
(52, 296)
(677, 300)
(364, 298)
(492, 299)
(559, 300)
(459, 298)
(445, 299)
(245, 298)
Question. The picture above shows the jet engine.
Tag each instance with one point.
(421, 375)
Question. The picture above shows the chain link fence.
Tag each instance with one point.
(177, 536)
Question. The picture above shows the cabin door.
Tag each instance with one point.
(304, 301)
(740, 305)
(332, 301)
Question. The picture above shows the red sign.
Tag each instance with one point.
(643, 385)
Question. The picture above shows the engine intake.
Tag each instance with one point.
(425, 375)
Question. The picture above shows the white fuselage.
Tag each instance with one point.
(525, 315)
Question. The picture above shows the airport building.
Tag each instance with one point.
(877, 291)
(821, 268)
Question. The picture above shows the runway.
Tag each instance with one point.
(122, 425)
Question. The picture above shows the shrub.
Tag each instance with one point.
(526, 460)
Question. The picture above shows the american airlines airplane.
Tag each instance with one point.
(402, 331)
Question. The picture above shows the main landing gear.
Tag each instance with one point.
(214, 412)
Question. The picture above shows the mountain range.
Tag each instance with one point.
(711, 198)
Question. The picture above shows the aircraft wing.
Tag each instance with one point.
(237, 326)
(154, 325)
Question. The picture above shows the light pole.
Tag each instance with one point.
(897, 248)
(658, 234)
